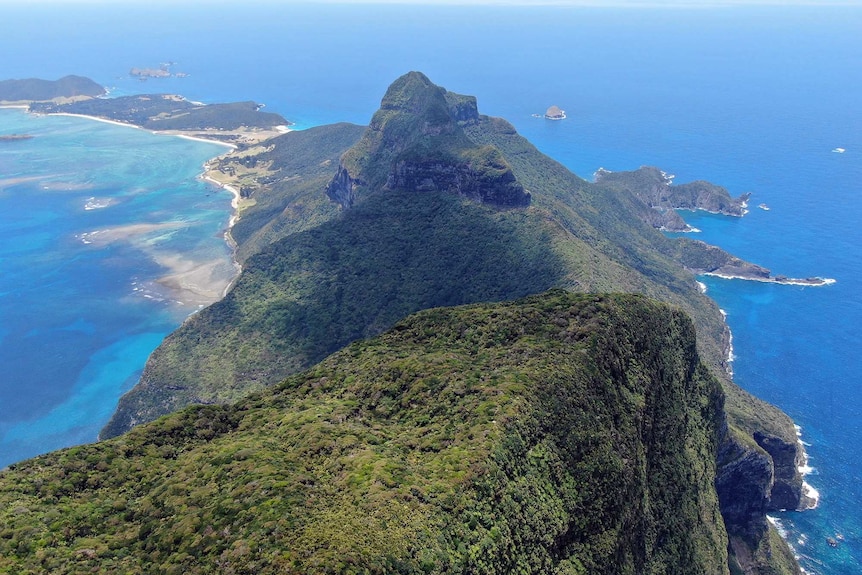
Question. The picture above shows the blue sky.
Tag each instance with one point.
(594, 3)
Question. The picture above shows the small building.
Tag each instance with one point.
(555, 113)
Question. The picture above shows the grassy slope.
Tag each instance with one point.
(560, 434)
(298, 165)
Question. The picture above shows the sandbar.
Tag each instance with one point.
(127, 232)
(195, 282)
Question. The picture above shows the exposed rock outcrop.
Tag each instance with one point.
(415, 142)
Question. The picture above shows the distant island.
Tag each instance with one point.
(163, 71)
(552, 113)
(555, 113)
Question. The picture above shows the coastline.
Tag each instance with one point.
(171, 279)
(812, 282)
(235, 200)
(96, 118)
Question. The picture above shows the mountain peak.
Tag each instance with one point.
(416, 142)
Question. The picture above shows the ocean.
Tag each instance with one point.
(752, 98)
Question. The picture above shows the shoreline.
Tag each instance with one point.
(811, 282)
(195, 139)
(234, 216)
(204, 175)
(96, 118)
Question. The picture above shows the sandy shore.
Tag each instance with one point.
(15, 181)
(195, 282)
(97, 119)
(197, 139)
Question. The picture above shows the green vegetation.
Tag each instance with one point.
(316, 279)
(416, 142)
(558, 434)
(655, 189)
(34, 89)
(287, 196)
(169, 112)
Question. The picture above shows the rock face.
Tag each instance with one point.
(786, 492)
(743, 485)
(754, 478)
(415, 142)
(492, 183)
(343, 187)
(656, 189)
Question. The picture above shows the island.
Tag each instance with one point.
(163, 71)
(555, 113)
(238, 123)
(422, 368)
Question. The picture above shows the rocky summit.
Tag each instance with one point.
(416, 142)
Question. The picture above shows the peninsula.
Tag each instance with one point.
(657, 189)
(238, 123)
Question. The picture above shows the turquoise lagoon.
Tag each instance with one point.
(109, 241)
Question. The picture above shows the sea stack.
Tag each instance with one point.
(555, 113)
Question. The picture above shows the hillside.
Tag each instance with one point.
(435, 213)
(657, 189)
(35, 89)
(562, 433)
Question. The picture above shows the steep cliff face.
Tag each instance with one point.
(787, 458)
(757, 473)
(415, 142)
(563, 433)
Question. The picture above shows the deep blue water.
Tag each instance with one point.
(754, 99)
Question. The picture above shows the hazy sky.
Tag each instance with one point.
(608, 3)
